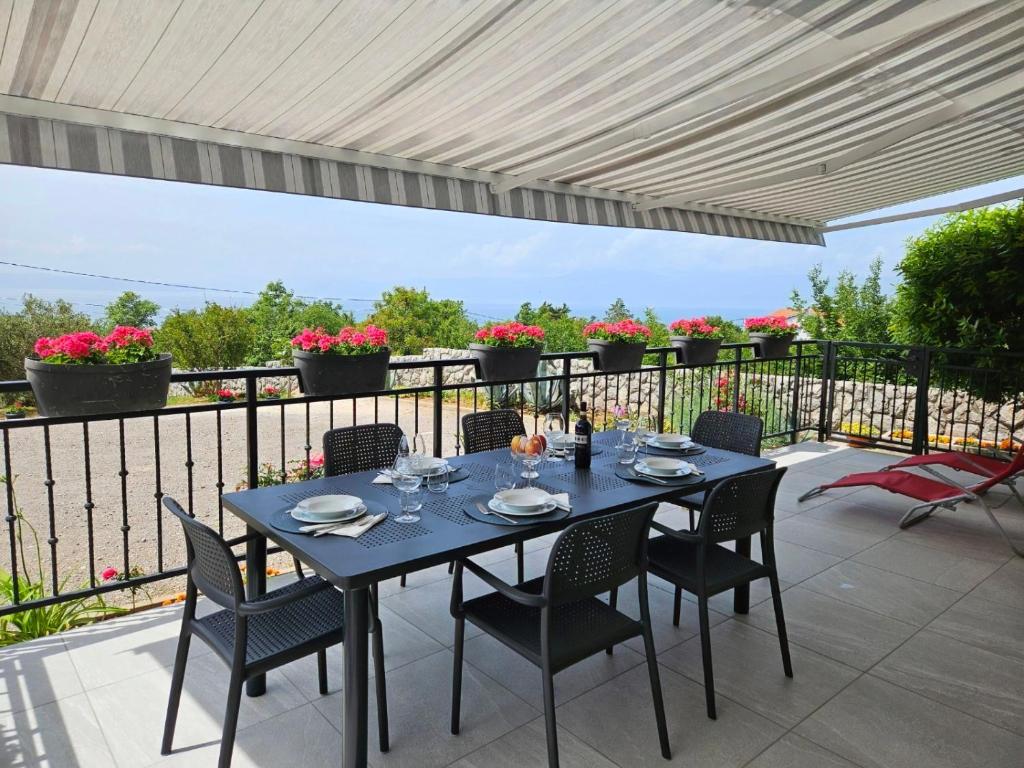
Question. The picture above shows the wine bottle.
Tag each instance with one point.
(584, 436)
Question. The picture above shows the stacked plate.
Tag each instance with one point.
(671, 442)
(522, 502)
(426, 465)
(660, 466)
(332, 508)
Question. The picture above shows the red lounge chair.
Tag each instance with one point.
(983, 466)
(933, 494)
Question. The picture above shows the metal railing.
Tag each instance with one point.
(93, 486)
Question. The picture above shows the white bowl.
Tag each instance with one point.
(661, 465)
(425, 465)
(523, 498)
(330, 506)
(674, 440)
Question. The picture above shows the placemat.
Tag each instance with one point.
(471, 510)
(282, 520)
(627, 472)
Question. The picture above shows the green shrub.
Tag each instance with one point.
(413, 321)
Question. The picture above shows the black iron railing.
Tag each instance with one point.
(93, 486)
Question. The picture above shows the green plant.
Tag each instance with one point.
(277, 315)
(42, 621)
(208, 338)
(859, 429)
(414, 321)
(19, 331)
(563, 332)
(617, 311)
(849, 312)
(130, 309)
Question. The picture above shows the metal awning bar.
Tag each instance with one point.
(979, 202)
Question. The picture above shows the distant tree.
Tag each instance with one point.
(616, 312)
(562, 331)
(277, 315)
(659, 331)
(130, 309)
(208, 338)
(849, 312)
(414, 321)
(19, 330)
(732, 333)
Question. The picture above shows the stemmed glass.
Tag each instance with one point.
(554, 430)
(528, 453)
(504, 476)
(645, 431)
(622, 423)
(405, 479)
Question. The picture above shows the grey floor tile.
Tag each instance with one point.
(36, 673)
(617, 719)
(854, 513)
(724, 602)
(825, 537)
(428, 609)
(851, 635)
(747, 666)
(985, 625)
(797, 563)
(131, 712)
(915, 602)
(1005, 586)
(524, 679)
(879, 725)
(665, 635)
(787, 502)
(61, 734)
(959, 532)
(300, 737)
(792, 751)
(961, 676)
(419, 713)
(526, 747)
(927, 564)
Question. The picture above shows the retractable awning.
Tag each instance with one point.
(762, 120)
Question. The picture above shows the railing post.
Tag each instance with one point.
(921, 357)
(738, 356)
(251, 432)
(662, 388)
(824, 405)
(794, 417)
(438, 447)
(255, 548)
(566, 383)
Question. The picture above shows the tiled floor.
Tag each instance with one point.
(908, 650)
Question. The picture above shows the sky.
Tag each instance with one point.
(238, 239)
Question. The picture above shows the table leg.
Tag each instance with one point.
(354, 714)
(741, 595)
(255, 585)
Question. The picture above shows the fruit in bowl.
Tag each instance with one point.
(534, 445)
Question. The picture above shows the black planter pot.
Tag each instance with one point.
(329, 374)
(505, 363)
(690, 351)
(772, 347)
(13, 416)
(84, 390)
(614, 356)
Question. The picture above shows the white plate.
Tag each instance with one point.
(426, 465)
(523, 499)
(673, 446)
(661, 467)
(329, 505)
(496, 506)
(668, 438)
(340, 517)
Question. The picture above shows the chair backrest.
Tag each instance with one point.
(490, 430)
(360, 448)
(740, 506)
(211, 564)
(1014, 467)
(739, 432)
(594, 556)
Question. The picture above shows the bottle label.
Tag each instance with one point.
(582, 439)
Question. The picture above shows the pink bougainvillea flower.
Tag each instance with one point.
(109, 573)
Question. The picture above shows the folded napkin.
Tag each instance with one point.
(354, 530)
(382, 479)
(561, 500)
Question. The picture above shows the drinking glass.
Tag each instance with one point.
(554, 429)
(418, 451)
(505, 476)
(627, 452)
(409, 485)
(623, 423)
(646, 430)
(437, 480)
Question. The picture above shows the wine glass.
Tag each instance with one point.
(646, 431)
(622, 422)
(517, 447)
(504, 476)
(409, 485)
(418, 452)
(554, 431)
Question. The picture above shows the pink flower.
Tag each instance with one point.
(316, 460)
(109, 573)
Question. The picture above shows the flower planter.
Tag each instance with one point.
(83, 390)
(691, 351)
(333, 374)
(859, 441)
(505, 363)
(13, 415)
(770, 347)
(615, 356)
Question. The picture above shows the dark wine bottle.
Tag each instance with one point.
(584, 436)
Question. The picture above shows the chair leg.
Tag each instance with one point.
(460, 634)
(613, 601)
(812, 493)
(321, 670)
(520, 566)
(380, 681)
(177, 681)
(917, 513)
(705, 652)
(780, 624)
(401, 581)
(451, 567)
(690, 509)
(677, 606)
(227, 739)
(549, 717)
(659, 702)
(298, 568)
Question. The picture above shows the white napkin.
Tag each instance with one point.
(382, 479)
(354, 531)
(561, 500)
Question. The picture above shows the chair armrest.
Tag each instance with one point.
(692, 538)
(252, 607)
(516, 595)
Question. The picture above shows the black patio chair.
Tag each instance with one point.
(695, 561)
(255, 636)
(557, 620)
(490, 431)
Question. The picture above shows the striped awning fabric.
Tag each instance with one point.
(761, 119)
